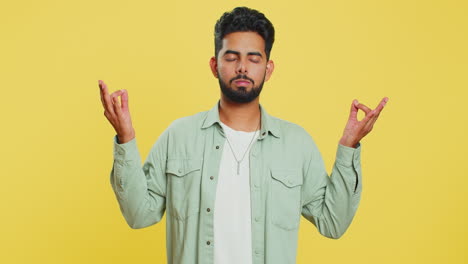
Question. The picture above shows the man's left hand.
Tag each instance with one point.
(355, 130)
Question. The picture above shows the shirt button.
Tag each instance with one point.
(256, 185)
(208, 242)
(257, 251)
(208, 209)
(217, 147)
(211, 177)
(257, 218)
(120, 152)
(180, 170)
(290, 182)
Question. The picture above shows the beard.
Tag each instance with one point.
(240, 95)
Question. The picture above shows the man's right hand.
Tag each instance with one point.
(118, 116)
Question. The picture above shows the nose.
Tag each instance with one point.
(241, 67)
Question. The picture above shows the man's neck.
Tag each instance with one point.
(240, 116)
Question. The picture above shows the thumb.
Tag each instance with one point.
(354, 110)
(124, 100)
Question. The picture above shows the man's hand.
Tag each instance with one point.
(355, 130)
(118, 116)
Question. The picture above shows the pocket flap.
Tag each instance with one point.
(181, 167)
(288, 177)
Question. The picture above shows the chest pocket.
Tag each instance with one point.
(184, 179)
(285, 197)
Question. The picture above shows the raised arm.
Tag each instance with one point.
(330, 203)
(140, 190)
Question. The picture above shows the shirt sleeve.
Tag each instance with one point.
(330, 203)
(140, 190)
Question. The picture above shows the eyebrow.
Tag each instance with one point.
(238, 53)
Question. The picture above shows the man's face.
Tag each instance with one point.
(242, 66)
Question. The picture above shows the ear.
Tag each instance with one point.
(269, 69)
(214, 66)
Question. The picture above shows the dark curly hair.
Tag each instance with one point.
(242, 19)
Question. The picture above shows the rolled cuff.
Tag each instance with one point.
(127, 151)
(348, 156)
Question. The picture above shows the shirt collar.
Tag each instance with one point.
(269, 124)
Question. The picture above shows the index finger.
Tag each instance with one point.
(101, 92)
(381, 105)
(105, 97)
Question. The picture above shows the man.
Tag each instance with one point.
(235, 180)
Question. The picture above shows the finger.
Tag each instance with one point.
(374, 114)
(381, 105)
(368, 127)
(353, 111)
(107, 99)
(364, 108)
(377, 111)
(100, 93)
(125, 100)
(368, 117)
(115, 100)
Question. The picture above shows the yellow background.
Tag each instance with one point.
(57, 205)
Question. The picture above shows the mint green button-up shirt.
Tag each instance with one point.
(287, 179)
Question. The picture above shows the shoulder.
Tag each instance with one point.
(288, 126)
(187, 122)
(295, 134)
(291, 129)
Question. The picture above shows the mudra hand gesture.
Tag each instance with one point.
(118, 115)
(355, 130)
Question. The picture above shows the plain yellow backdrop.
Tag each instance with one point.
(56, 202)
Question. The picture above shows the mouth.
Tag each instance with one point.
(242, 82)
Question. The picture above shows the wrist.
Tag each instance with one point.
(348, 142)
(125, 138)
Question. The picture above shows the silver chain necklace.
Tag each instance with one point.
(239, 161)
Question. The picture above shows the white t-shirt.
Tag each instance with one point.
(232, 222)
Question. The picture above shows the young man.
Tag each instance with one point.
(234, 180)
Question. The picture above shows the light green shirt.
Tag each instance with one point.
(287, 179)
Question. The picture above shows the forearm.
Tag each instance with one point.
(129, 182)
(337, 202)
(342, 197)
